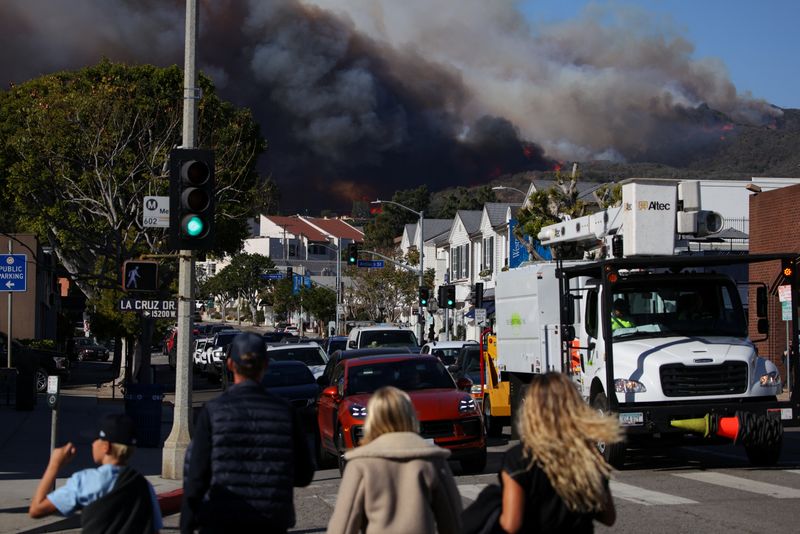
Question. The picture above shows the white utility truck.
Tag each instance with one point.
(647, 329)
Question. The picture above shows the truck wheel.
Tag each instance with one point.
(615, 453)
(493, 425)
(764, 455)
(474, 465)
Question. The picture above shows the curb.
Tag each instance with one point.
(170, 502)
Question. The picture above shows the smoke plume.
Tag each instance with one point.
(359, 98)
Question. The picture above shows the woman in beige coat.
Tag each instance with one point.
(396, 482)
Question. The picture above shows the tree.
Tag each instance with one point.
(81, 149)
(320, 302)
(381, 294)
(548, 207)
(389, 224)
(463, 198)
(241, 279)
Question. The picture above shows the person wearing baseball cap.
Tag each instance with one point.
(103, 491)
(247, 453)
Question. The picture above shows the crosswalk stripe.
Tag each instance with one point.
(793, 471)
(743, 484)
(646, 497)
(470, 491)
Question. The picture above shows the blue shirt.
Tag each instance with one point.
(85, 487)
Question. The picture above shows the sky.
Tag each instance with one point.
(758, 41)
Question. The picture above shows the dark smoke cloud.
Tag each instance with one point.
(359, 98)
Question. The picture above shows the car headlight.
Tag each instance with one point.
(358, 411)
(769, 380)
(625, 385)
(467, 405)
(476, 389)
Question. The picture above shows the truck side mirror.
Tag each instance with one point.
(763, 326)
(567, 332)
(761, 303)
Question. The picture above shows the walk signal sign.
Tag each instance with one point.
(191, 199)
(140, 275)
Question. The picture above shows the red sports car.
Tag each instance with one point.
(448, 417)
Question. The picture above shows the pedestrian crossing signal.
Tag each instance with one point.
(140, 275)
(788, 269)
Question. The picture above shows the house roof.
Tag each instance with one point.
(430, 229)
(496, 211)
(337, 228)
(297, 226)
(471, 220)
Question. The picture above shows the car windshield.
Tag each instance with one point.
(287, 375)
(224, 340)
(388, 338)
(448, 356)
(408, 375)
(684, 307)
(307, 355)
(83, 342)
(336, 344)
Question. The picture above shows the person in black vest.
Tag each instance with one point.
(104, 491)
(248, 453)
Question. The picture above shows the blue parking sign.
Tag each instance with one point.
(13, 272)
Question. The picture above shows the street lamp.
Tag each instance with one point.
(507, 188)
(421, 216)
(338, 249)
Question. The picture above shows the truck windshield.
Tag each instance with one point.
(676, 306)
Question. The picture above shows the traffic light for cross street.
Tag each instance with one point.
(352, 254)
(191, 199)
(424, 296)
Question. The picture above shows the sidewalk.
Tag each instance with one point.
(25, 451)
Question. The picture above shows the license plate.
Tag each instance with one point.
(631, 419)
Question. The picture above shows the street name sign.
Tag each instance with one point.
(155, 212)
(13, 272)
(371, 264)
(156, 308)
(273, 276)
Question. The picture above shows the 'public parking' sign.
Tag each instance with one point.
(13, 272)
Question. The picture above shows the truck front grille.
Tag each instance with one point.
(679, 380)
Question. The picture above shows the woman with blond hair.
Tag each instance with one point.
(555, 479)
(395, 481)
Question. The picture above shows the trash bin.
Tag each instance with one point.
(143, 405)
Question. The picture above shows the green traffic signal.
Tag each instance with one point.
(194, 226)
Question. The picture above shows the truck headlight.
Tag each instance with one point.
(358, 411)
(769, 380)
(624, 385)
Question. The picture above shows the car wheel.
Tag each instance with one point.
(614, 454)
(41, 380)
(493, 425)
(474, 465)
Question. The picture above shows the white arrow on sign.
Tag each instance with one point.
(10, 284)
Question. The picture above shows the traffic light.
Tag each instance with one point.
(191, 199)
(140, 275)
(352, 254)
(478, 300)
(450, 296)
(424, 296)
(290, 274)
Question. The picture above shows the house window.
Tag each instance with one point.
(317, 250)
(487, 263)
(292, 250)
(459, 262)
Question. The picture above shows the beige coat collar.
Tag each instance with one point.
(398, 446)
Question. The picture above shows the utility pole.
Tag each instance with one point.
(178, 440)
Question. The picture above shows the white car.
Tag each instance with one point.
(292, 329)
(362, 337)
(310, 354)
(447, 351)
(200, 354)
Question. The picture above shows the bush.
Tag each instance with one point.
(46, 344)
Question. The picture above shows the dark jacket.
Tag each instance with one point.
(131, 493)
(247, 454)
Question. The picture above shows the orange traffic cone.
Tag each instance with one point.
(728, 427)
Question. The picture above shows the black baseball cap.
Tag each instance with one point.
(117, 428)
(247, 348)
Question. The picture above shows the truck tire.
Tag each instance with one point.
(764, 455)
(493, 425)
(614, 454)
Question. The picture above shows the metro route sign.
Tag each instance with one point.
(13, 272)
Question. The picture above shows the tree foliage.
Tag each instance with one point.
(381, 294)
(241, 279)
(389, 224)
(79, 151)
(463, 198)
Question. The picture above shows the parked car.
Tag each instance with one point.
(293, 381)
(334, 343)
(87, 349)
(216, 352)
(333, 360)
(446, 351)
(200, 354)
(447, 415)
(42, 363)
(310, 354)
(382, 336)
(292, 329)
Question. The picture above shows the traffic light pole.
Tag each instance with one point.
(178, 440)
